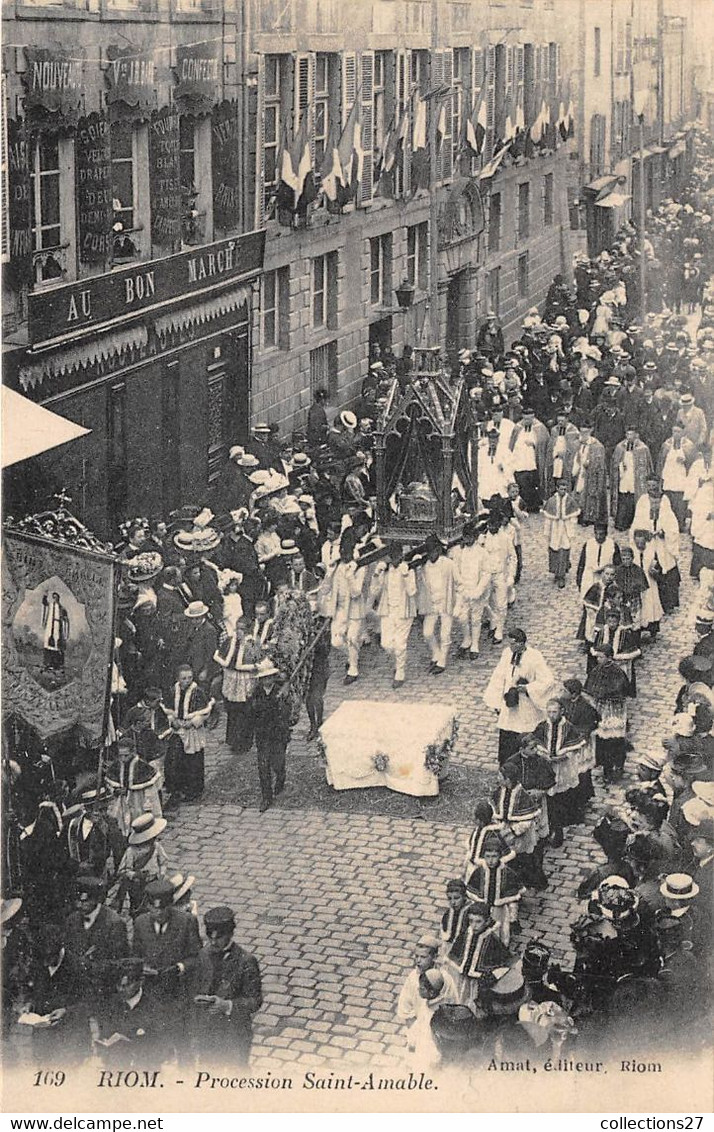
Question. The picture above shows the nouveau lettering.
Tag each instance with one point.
(53, 74)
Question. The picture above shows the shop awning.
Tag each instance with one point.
(28, 429)
(601, 184)
(200, 313)
(676, 151)
(613, 200)
(83, 355)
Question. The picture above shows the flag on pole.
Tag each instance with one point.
(476, 127)
(494, 163)
(397, 134)
(509, 125)
(287, 184)
(306, 190)
(331, 175)
(347, 185)
(420, 153)
(441, 127)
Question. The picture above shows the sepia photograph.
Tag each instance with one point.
(357, 697)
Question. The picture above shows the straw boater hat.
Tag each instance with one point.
(301, 460)
(181, 885)
(198, 541)
(288, 547)
(236, 451)
(146, 828)
(348, 419)
(248, 460)
(196, 609)
(261, 429)
(679, 886)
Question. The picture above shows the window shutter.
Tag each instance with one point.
(367, 116)
(402, 102)
(304, 95)
(446, 157)
(259, 151)
(490, 100)
(349, 83)
(519, 98)
(5, 188)
(477, 77)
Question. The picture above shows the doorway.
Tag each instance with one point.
(454, 313)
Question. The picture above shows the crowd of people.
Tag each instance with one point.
(228, 613)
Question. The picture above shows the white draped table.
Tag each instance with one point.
(367, 743)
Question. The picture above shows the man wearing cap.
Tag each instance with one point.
(518, 691)
(261, 447)
(185, 758)
(489, 340)
(692, 420)
(674, 460)
(94, 934)
(130, 1028)
(57, 993)
(167, 941)
(272, 714)
(630, 468)
(226, 993)
(435, 600)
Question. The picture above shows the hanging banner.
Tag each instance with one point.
(165, 179)
(198, 72)
(131, 77)
(93, 164)
(226, 169)
(58, 634)
(18, 204)
(54, 79)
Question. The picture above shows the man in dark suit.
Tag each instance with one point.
(58, 988)
(227, 993)
(238, 553)
(130, 1028)
(95, 934)
(165, 938)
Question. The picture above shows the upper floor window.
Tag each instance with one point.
(324, 290)
(596, 52)
(45, 208)
(123, 189)
(548, 200)
(523, 218)
(378, 95)
(321, 107)
(271, 123)
(418, 255)
(494, 222)
(380, 270)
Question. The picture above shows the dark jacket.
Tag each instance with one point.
(178, 943)
(103, 942)
(235, 976)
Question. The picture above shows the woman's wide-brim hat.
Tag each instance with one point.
(197, 541)
(145, 567)
(348, 419)
(146, 828)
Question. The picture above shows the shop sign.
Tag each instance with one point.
(165, 179)
(198, 70)
(226, 169)
(119, 295)
(131, 76)
(54, 79)
(18, 204)
(94, 189)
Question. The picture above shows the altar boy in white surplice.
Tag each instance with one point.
(397, 608)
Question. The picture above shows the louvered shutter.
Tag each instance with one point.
(519, 98)
(367, 113)
(490, 100)
(403, 61)
(5, 190)
(259, 109)
(529, 83)
(447, 149)
(349, 84)
(304, 95)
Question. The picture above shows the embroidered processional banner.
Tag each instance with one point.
(58, 634)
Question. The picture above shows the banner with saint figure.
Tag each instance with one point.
(58, 634)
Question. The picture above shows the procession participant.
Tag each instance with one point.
(483, 820)
(516, 814)
(590, 477)
(517, 692)
(397, 608)
(453, 918)
(95, 934)
(608, 688)
(700, 502)
(237, 656)
(144, 860)
(528, 444)
(630, 468)
(129, 1027)
(536, 775)
(317, 423)
(261, 627)
(183, 895)
(473, 579)
(608, 421)
(184, 769)
(692, 420)
(135, 784)
(319, 677)
(562, 745)
(598, 551)
(477, 951)
(273, 726)
(654, 514)
(238, 553)
(622, 638)
(166, 939)
(644, 556)
(500, 560)
(57, 995)
(227, 992)
(584, 718)
(675, 458)
(560, 512)
(564, 443)
(148, 724)
(495, 467)
(493, 883)
(344, 604)
(92, 836)
(197, 644)
(435, 600)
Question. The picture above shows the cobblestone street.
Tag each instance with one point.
(332, 902)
